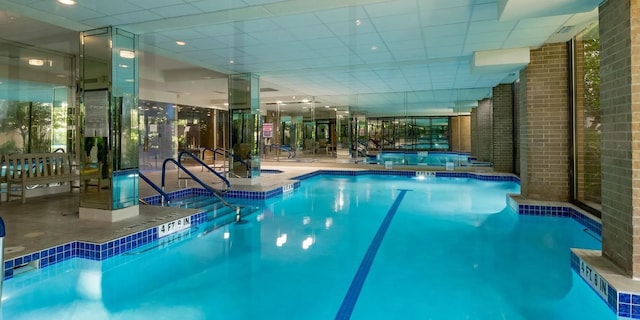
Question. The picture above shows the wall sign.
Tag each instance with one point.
(267, 130)
(96, 114)
(174, 226)
(594, 279)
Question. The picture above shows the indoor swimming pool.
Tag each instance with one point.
(426, 158)
(337, 247)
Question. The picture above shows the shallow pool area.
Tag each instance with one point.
(338, 246)
(426, 158)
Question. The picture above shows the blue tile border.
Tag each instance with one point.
(88, 250)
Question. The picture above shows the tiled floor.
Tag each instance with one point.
(49, 220)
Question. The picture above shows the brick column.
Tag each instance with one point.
(620, 139)
(485, 118)
(544, 132)
(474, 132)
(503, 128)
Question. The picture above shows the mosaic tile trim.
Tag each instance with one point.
(612, 293)
(628, 305)
(623, 304)
(471, 175)
(559, 211)
(88, 250)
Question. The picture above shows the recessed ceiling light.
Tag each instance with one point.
(123, 66)
(67, 2)
(180, 43)
(36, 62)
(374, 48)
(358, 22)
(232, 62)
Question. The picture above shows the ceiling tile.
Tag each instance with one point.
(137, 16)
(176, 10)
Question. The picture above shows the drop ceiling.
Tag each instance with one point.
(386, 58)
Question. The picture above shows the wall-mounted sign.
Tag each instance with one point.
(267, 130)
(96, 115)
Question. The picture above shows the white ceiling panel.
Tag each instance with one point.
(434, 17)
(151, 4)
(397, 22)
(365, 53)
(176, 10)
(457, 30)
(391, 8)
(107, 9)
(350, 14)
(485, 11)
(211, 6)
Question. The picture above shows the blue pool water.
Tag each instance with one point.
(359, 247)
(425, 158)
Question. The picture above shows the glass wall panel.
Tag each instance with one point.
(587, 182)
(35, 86)
(409, 133)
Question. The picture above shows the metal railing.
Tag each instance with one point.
(164, 195)
(213, 191)
(3, 233)
(199, 161)
(226, 154)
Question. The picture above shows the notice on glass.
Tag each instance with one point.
(96, 117)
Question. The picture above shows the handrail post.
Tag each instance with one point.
(2, 235)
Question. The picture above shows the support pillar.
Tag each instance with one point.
(543, 125)
(502, 128)
(109, 129)
(620, 146)
(246, 127)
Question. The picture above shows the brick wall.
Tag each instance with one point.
(474, 132)
(485, 128)
(620, 137)
(461, 133)
(503, 128)
(544, 132)
(578, 63)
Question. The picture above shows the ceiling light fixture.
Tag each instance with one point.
(36, 62)
(181, 43)
(232, 62)
(67, 2)
(358, 22)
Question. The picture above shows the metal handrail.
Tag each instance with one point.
(206, 186)
(226, 153)
(156, 188)
(198, 160)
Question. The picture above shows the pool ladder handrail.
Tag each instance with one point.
(163, 195)
(227, 154)
(216, 193)
(199, 161)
